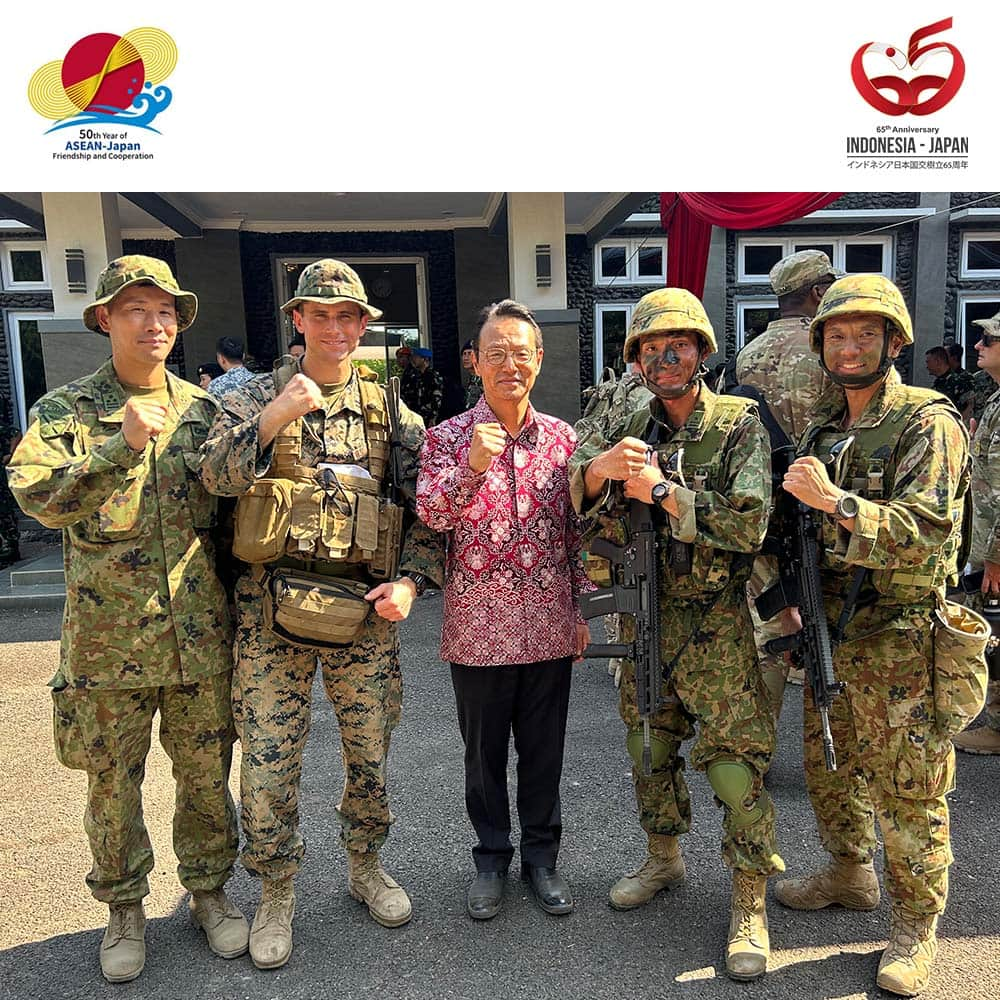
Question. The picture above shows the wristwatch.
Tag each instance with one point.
(660, 492)
(847, 507)
(419, 581)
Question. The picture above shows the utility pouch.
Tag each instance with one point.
(314, 611)
(960, 673)
(263, 520)
(384, 561)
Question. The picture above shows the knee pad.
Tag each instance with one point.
(732, 781)
(661, 749)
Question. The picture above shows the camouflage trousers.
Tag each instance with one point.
(107, 733)
(272, 706)
(716, 686)
(892, 765)
(773, 667)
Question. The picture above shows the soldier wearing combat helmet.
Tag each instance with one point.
(316, 432)
(112, 460)
(893, 507)
(714, 507)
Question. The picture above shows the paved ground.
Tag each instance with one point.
(50, 928)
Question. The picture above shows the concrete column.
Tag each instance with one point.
(714, 298)
(929, 282)
(87, 222)
(210, 267)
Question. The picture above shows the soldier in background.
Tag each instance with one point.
(429, 396)
(112, 460)
(780, 365)
(474, 384)
(950, 378)
(896, 528)
(409, 378)
(718, 515)
(985, 554)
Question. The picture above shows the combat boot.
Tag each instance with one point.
(271, 934)
(905, 965)
(123, 950)
(224, 926)
(368, 882)
(984, 740)
(749, 945)
(842, 883)
(662, 869)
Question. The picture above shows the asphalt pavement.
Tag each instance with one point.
(51, 929)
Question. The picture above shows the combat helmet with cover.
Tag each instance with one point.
(668, 310)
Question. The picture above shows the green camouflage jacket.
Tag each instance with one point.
(985, 387)
(144, 607)
(232, 458)
(781, 364)
(959, 387)
(986, 484)
(609, 403)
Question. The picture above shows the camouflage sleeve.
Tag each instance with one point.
(231, 457)
(916, 521)
(473, 392)
(735, 518)
(446, 485)
(423, 548)
(986, 486)
(55, 478)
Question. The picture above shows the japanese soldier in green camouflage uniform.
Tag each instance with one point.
(720, 511)
(273, 677)
(985, 553)
(781, 366)
(112, 459)
(898, 518)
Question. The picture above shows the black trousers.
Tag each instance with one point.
(530, 699)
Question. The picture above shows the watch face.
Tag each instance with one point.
(659, 492)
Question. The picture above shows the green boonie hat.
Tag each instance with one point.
(990, 326)
(132, 270)
(328, 281)
(807, 267)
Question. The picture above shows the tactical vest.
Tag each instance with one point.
(702, 467)
(324, 520)
(870, 473)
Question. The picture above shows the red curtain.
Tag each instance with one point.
(687, 219)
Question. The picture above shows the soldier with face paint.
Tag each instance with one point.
(711, 508)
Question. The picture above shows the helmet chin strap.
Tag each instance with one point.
(862, 381)
(675, 391)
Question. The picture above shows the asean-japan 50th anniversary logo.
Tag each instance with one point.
(107, 80)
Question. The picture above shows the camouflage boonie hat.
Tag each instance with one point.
(807, 267)
(132, 270)
(327, 281)
(861, 293)
(667, 310)
(990, 326)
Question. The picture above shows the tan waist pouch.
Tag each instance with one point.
(314, 611)
(960, 671)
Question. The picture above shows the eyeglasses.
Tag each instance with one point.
(989, 339)
(496, 356)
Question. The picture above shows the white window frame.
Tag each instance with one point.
(788, 243)
(963, 299)
(740, 305)
(632, 247)
(11, 320)
(975, 236)
(7, 268)
(599, 309)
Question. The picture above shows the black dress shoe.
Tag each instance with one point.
(551, 889)
(486, 895)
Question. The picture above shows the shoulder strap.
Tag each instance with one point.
(288, 441)
(376, 427)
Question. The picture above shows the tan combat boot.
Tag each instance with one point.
(905, 965)
(749, 944)
(662, 869)
(841, 883)
(224, 926)
(123, 950)
(271, 934)
(984, 740)
(368, 882)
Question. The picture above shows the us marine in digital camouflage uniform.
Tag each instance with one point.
(273, 678)
(112, 459)
(429, 391)
(899, 518)
(705, 632)
(985, 553)
(608, 403)
(780, 364)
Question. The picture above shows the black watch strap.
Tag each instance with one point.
(419, 581)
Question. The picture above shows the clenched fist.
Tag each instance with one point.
(625, 460)
(143, 420)
(488, 441)
(300, 396)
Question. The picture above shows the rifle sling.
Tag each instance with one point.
(850, 605)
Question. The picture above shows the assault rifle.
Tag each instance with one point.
(795, 542)
(395, 458)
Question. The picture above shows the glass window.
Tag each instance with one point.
(32, 365)
(26, 266)
(826, 248)
(759, 258)
(613, 260)
(983, 255)
(613, 325)
(650, 262)
(975, 309)
(863, 258)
